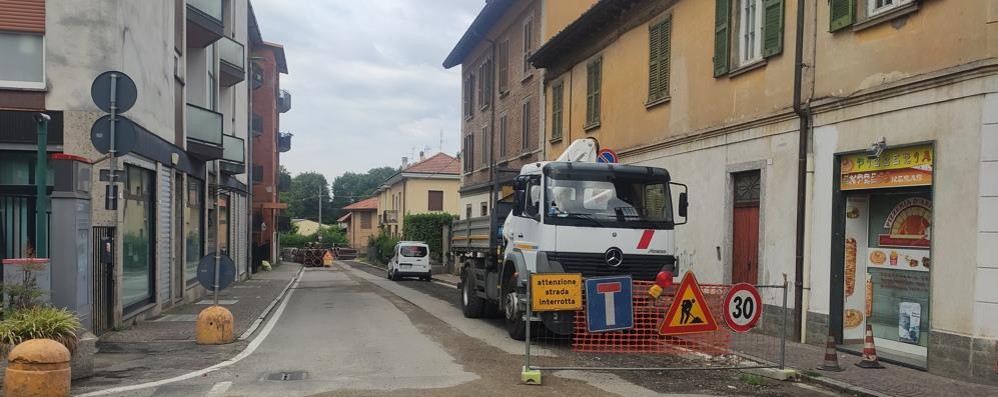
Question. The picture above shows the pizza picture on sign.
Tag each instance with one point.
(909, 224)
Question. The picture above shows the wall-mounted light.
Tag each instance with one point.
(876, 149)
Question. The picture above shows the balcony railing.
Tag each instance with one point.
(233, 155)
(284, 141)
(232, 61)
(204, 22)
(204, 133)
(390, 217)
(284, 101)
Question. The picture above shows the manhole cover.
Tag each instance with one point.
(288, 375)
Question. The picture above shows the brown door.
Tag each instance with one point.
(745, 228)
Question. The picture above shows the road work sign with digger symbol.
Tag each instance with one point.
(689, 313)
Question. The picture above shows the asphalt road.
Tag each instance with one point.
(348, 331)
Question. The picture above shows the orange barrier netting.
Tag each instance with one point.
(649, 314)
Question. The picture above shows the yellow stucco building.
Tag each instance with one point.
(430, 185)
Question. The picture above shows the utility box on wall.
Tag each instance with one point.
(70, 236)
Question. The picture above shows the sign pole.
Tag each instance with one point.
(112, 150)
(218, 225)
(41, 186)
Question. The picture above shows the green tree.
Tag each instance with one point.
(303, 198)
(352, 187)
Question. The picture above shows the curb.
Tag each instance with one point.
(266, 312)
(840, 385)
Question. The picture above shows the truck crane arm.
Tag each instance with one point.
(581, 150)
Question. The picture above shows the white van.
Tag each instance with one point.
(411, 259)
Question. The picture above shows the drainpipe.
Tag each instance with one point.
(804, 114)
(249, 165)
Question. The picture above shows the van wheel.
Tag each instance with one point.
(471, 305)
(515, 325)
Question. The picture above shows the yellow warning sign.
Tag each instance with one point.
(556, 291)
(689, 313)
(327, 259)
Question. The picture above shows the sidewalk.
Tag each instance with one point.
(893, 380)
(164, 346)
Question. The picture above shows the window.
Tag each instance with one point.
(193, 224)
(23, 62)
(485, 85)
(594, 78)
(503, 67)
(659, 43)
(469, 152)
(138, 277)
(467, 212)
(413, 251)
(749, 30)
(486, 146)
(528, 44)
(525, 119)
(877, 7)
(557, 112)
(469, 95)
(503, 134)
(485, 208)
(365, 220)
(759, 32)
(435, 200)
(843, 13)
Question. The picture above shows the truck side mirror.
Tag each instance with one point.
(518, 199)
(684, 204)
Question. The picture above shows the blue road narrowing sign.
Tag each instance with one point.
(607, 156)
(608, 304)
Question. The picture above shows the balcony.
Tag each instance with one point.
(233, 155)
(204, 22)
(256, 75)
(204, 133)
(284, 101)
(231, 62)
(284, 141)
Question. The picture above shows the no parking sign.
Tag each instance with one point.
(742, 307)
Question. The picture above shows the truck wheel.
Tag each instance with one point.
(515, 325)
(471, 305)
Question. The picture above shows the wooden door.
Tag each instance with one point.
(745, 228)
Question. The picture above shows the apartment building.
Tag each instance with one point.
(189, 126)
(269, 101)
(501, 92)
(428, 185)
(850, 169)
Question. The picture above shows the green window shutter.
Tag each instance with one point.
(654, 45)
(556, 110)
(841, 14)
(665, 56)
(589, 93)
(598, 81)
(722, 37)
(772, 28)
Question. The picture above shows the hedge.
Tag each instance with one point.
(427, 228)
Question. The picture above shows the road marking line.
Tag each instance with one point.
(219, 389)
(253, 345)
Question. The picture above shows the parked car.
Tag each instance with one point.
(411, 259)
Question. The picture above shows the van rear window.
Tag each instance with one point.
(413, 251)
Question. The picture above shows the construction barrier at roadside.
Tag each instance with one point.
(620, 324)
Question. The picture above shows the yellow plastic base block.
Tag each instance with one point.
(530, 376)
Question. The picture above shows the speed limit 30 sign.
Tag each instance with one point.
(742, 307)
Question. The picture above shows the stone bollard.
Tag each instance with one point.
(37, 367)
(215, 326)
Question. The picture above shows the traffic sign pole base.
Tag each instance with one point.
(530, 376)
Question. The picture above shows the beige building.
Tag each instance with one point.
(430, 185)
(361, 221)
(897, 105)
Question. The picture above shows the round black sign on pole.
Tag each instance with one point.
(124, 135)
(226, 272)
(126, 93)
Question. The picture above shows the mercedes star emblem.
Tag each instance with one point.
(614, 257)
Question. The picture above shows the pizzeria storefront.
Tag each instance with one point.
(884, 233)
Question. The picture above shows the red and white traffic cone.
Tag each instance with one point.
(831, 358)
(869, 351)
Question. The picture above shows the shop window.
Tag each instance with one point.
(193, 226)
(138, 276)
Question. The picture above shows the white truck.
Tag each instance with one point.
(571, 215)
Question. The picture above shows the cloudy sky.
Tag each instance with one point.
(366, 79)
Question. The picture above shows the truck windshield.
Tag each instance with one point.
(608, 200)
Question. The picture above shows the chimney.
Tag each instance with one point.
(405, 162)
(422, 156)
